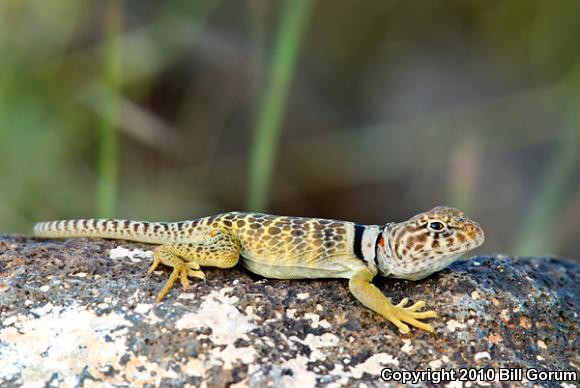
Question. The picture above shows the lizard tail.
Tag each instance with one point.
(147, 232)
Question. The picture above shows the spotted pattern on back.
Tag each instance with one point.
(260, 234)
(274, 238)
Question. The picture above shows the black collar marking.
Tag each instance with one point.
(357, 245)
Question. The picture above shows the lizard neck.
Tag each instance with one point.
(364, 244)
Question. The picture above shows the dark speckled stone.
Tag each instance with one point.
(494, 311)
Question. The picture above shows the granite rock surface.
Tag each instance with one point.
(81, 312)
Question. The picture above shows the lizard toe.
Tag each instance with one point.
(416, 306)
(402, 303)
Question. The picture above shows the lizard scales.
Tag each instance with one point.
(293, 247)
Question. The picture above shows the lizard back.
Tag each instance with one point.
(273, 246)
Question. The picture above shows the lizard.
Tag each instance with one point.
(285, 247)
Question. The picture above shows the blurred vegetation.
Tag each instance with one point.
(294, 17)
(108, 155)
(369, 111)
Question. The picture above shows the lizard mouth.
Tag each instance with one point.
(476, 233)
(476, 239)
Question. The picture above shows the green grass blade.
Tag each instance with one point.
(108, 150)
(293, 25)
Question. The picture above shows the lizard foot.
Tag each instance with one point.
(401, 316)
(181, 270)
(368, 294)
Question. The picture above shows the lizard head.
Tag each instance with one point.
(427, 243)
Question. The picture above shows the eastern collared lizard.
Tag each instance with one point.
(298, 248)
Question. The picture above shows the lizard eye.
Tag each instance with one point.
(436, 226)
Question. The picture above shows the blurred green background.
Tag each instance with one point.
(362, 110)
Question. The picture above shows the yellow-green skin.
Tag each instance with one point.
(293, 247)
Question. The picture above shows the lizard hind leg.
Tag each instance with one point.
(219, 251)
(171, 255)
(183, 271)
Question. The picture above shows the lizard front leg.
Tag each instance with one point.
(368, 294)
(219, 250)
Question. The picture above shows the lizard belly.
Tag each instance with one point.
(338, 267)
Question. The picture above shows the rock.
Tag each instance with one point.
(73, 313)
